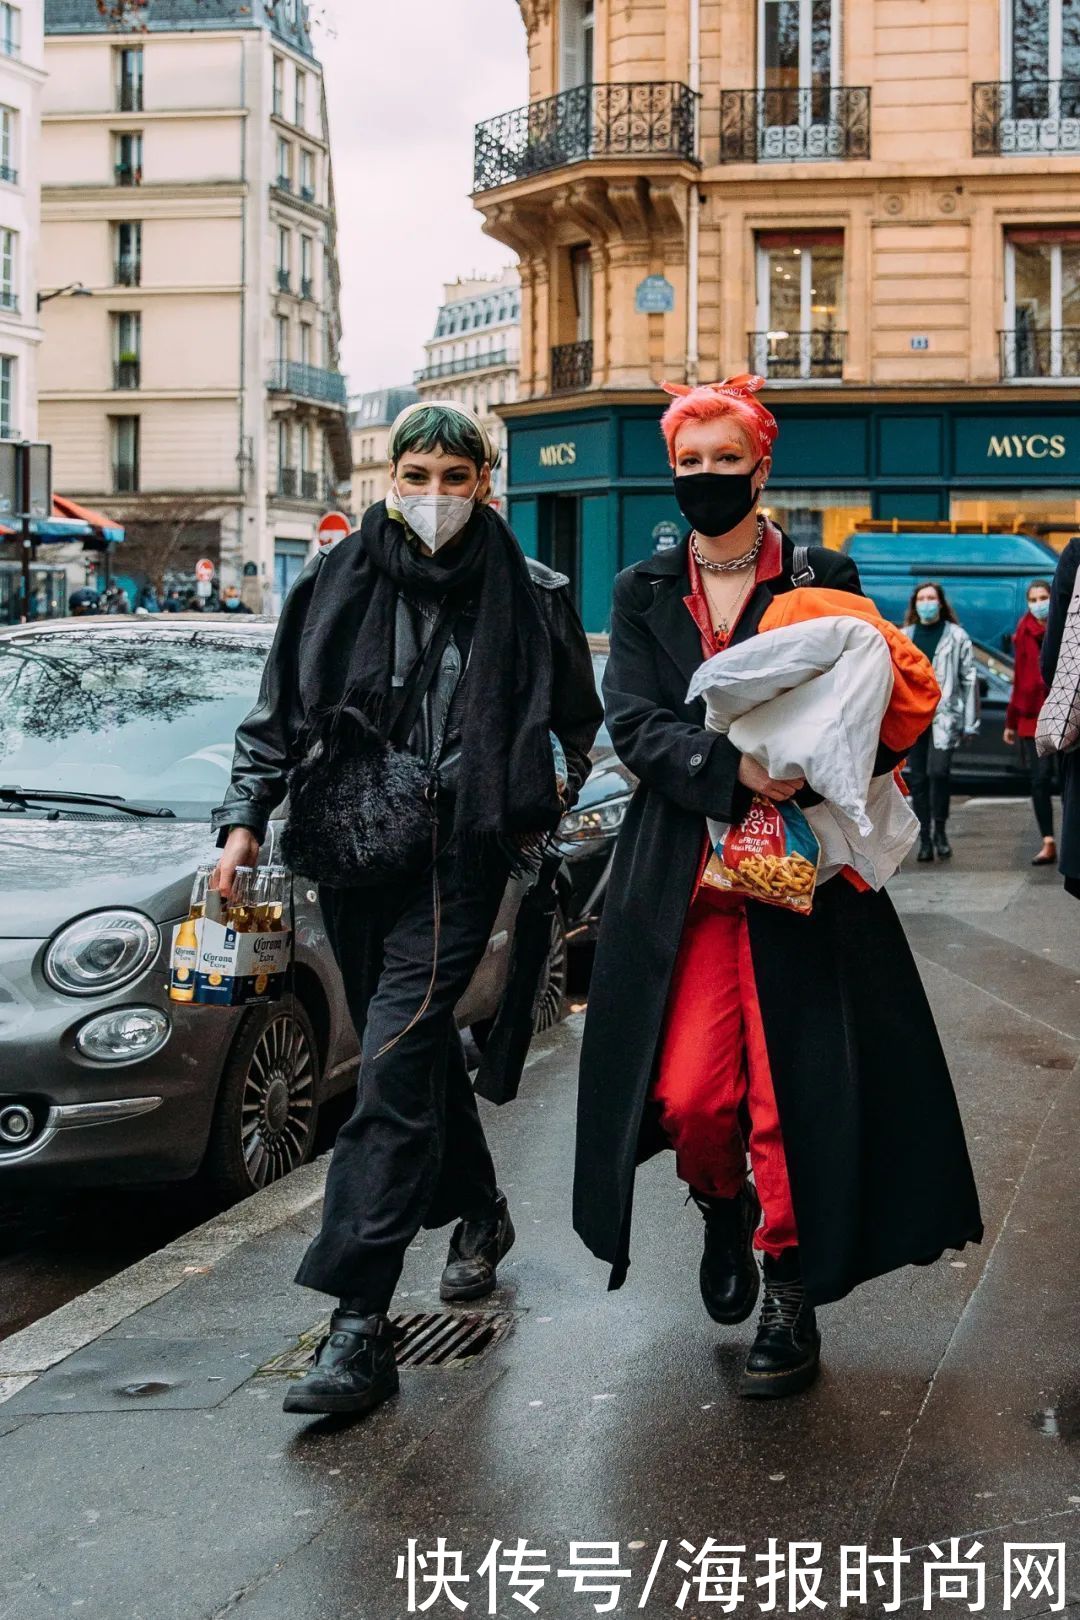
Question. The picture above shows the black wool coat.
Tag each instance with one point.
(879, 1169)
(1060, 597)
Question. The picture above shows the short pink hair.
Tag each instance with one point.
(734, 398)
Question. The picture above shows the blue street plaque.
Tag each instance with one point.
(654, 296)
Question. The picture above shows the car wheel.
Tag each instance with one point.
(264, 1122)
(550, 1006)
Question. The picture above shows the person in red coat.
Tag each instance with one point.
(1026, 699)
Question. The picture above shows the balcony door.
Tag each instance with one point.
(1040, 53)
(798, 66)
(576, 53)
(799, 286)
(1042, 304)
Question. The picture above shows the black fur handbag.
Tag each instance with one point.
(362, 810)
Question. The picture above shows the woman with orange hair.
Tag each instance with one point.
(724, 1027)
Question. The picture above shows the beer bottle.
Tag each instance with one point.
(240, 913)
(199, 891)
(214, 906)
(185, 955)
(279, 889)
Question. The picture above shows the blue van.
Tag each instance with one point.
(985, 576)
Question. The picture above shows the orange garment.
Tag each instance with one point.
(915, 693)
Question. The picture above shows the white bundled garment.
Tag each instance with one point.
(808, 700)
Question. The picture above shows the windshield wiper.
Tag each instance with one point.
(28, 796)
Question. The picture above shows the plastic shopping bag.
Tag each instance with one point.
(772, 855)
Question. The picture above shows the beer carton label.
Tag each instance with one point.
(235, 970)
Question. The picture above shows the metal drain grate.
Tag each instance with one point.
(422, 1339)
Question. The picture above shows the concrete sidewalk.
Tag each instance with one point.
(148, 1473)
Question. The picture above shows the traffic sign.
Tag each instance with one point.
(333, 526)
(204, 569)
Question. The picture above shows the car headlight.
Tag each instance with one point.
(100, 952)
(599, 821)
(124, 1034)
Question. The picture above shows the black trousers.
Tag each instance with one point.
(413, 1152)
(1041, 772)
(928, 778)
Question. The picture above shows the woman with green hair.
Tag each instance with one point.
(429, 706)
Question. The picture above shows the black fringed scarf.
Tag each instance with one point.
(507, 792)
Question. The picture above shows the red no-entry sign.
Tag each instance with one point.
(332, 528)
(204, 569)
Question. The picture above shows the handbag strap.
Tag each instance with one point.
(802, 572)
(405, 705)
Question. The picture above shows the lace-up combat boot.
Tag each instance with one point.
(786, 1353)
(729, 1275)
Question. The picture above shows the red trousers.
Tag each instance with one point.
(713, 1061)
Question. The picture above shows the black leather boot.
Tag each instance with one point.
(476, 1248)
(786, 1353)
(729, 1275)
(354, 1369)
(926, 848)
(942, 846)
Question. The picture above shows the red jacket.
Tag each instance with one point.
(1029, 690)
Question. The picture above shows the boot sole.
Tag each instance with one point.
(309, 1404)
(742, 1312)
(774, 1386)
(481, 1290)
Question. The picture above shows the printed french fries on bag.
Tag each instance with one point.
(771, 855)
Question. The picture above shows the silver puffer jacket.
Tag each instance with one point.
(957, 714)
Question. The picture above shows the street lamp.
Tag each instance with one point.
(75, 288)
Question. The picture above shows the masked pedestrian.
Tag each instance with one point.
(232, 601)
(1025, 700)
(935, 630)
(1059, 671)
(719, 1025)
(419, 673)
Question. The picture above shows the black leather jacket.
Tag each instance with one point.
(265, 740)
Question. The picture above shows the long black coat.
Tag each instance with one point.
(1060, 597)
(879, 1170)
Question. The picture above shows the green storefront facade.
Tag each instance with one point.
(590, 489)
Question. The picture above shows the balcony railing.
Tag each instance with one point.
(284, 280)
(130, 98)
(286, 481)
(1054, 353)
(126, 374)
(454, 368)
(1021, 116)
(284, 182)
(128, 272)
(637, 120)
(9, 174)
(571, 366)
(793, 125)
(9, 301)
(777, 355)
(307, 288)
(309, 486)
(128, 174)
(307, 193)
(307, 382)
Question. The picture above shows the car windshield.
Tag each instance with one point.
(599, 664)
(142, 714)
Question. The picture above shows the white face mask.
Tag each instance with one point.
(436, 519)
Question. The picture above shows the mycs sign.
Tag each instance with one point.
(1035, 446)
(558, 455)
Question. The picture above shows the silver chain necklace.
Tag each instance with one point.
(737, 564)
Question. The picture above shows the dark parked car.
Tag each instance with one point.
(116, 740)
(987, 758)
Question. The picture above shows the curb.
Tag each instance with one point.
(29, 1353)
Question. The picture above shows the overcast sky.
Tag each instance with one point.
(406, 80)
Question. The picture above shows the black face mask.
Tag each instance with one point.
(715, 502)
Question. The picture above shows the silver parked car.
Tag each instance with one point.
(115, 743)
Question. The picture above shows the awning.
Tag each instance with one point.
(70, 521)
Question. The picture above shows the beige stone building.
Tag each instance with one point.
(187, 181)
(474, 353)
(371, 417)
(875, 205)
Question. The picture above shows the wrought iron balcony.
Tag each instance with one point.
(571, 366)
(638, 120)
(9, 174)
(130, 96)
(1025, 116)
(454, 368)
(1053, 353)
(307, 288)
(307, 193)
(286, 481)
(307, 382)
(284, 280)
(9, 301)
(128, 272)
(797, 354)
(795, 125)
(127, 374)
(129, 174)
(309, 486)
